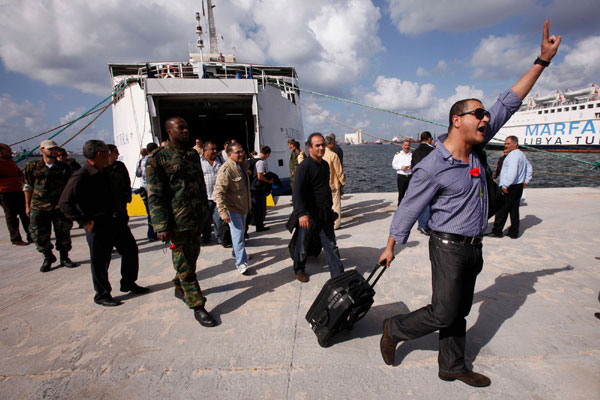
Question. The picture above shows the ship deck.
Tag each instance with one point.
(531, 329)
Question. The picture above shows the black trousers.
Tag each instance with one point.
(13, 204)
(511, 206)
(402, 181)
(454, 270)
(109, 232)
(259, 208)
(328, 242)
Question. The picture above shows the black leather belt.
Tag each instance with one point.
(458, 238)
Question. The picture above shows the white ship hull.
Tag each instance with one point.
(253, 111)
(563, 123)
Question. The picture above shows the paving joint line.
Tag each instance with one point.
(287, 389)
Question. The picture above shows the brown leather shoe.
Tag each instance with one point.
(301, 276)
(19, 243)
(469, 377)
(387, 345)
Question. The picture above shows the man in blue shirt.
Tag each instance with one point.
(452, 181)
(515, 174)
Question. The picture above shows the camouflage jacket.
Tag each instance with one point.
(176, 190)
(293, 161)
(46, 183)
(119, 179)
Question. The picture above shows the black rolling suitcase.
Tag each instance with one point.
(343, 301)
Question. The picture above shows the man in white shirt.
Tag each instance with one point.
(515, 174)
(402, 165)
(210, 166)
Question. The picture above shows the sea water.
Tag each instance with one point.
(368, 168)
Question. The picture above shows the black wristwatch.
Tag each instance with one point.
(543, 63)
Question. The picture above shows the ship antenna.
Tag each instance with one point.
(214, 46)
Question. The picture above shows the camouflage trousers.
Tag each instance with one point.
(185, 254)
(40, 225)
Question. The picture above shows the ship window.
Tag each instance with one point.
(545, 111)
(573, 108)
(559, 110)
(590, 106)
(597, 104)
(540, 112)
(581, 107)
(552, 111)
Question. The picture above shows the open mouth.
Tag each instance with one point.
(481, 129)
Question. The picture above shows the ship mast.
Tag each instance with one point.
(214, 46)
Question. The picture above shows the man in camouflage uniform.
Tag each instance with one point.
(294, 151)
(44, 182)
(119, 178)
(178, 208)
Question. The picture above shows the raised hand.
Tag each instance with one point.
(549, 43)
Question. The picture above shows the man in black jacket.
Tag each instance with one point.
(90, 199)
(313, 207)
(420, 153)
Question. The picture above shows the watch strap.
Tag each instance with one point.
(541, 62)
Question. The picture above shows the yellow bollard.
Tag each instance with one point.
(136, 208)
(270, 201)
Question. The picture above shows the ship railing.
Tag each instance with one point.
(287, 83)
(168, 70)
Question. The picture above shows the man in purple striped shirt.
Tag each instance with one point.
(452, 181)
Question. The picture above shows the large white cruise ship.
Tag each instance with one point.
(219, 98)
(563, 121)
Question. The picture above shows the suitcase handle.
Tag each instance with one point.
(377, 266)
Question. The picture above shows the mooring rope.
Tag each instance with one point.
(88, 124)
(343, 124)
(391, 142)
(595, 164)
(50, 130)
(27, 154)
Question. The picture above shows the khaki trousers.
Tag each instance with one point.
(336, 195)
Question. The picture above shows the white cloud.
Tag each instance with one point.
(441, 67)
(416, 17)
(421, 72)
(419, 101)
(502, 57)
(510, 56)
(580, 67)
(66, 42)
(20, 120)
(395, 94)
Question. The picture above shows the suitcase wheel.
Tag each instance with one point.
(323, 343)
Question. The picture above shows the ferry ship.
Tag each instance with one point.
(220, 99)
(563, 121)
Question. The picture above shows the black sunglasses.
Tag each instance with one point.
(479, 113)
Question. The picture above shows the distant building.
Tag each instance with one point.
(353, 138)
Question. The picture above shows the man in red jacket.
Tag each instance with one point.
(12, 197)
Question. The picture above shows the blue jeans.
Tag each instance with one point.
(150, 233)
(237, 226)
(328, 242)
(213, 217)
(424, 217)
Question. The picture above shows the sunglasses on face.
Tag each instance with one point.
(479, 113)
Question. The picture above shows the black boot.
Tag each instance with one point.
(49, 258)
(204, 317)
(65, 261)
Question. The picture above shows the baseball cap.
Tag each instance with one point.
(48, 144)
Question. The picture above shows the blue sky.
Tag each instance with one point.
(410, 57)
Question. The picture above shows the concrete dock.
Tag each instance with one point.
(531, 329)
